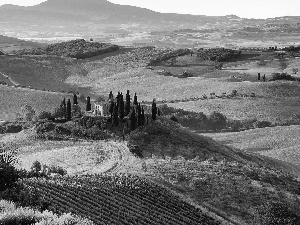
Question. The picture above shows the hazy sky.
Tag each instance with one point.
(242, 8)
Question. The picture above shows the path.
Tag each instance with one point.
(10, 79)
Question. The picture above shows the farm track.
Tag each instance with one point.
(10, 79)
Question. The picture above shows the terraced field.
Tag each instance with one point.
(118, 199)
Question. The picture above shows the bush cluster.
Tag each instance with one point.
(217, 54)
(86, 127)
(79, 49)
(281, 76)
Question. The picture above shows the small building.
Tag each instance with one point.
(101, 108)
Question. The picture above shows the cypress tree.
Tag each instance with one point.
(75, 100)
(69, 110)
(115, 116)
(121, 110)
(127, 104)
(111, 96)
(139, 112)
(111, 108)
(143, 117)
(154, 110)
(64, 108)
(158, 112)
(135, 102)
(88, 104)
(132, 120)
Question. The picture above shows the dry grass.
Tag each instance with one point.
(12, 99)
(281, 143)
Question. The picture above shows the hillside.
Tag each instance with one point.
(238, 186)
(280, 143)
(8, 44)
(12, 99)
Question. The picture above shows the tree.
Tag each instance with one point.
(36, 167)
(111, 108)
(295, 70)
(139, 115)
(158, 112)
(76, 111)
(45, 115)
(27, 112)
(63, 109)
(135, 102)
(75, 101)
(132, 120)
(173, 118)
(121, 110)
(88, 104)
(69, 111)
(154, 110)
(111, 96)
(127, 104)
(115, 115)
(217, 120)
(143, 116)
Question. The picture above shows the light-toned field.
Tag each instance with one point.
(281, 143)
(12, 99)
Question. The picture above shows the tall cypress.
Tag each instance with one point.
(139, 112)
(132, 120)
(111, 108)
(121, 110)
(69, 110)
(115, 116)
(75, 100)
(111, 96)
(143, 116)
(135, 102)
(88, 104)
(127, 104)
(154, 110)
(64, 108)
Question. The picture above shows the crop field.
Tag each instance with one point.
(237, 190)
(12, 99)
(117, 199)
(40, 72)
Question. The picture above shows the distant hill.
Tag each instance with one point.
(103, 19)
(79, 49)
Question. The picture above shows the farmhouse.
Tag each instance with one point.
(101, 108)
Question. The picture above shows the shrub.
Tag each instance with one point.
(45, 115)
(277, 213)
(217, 121)
(45, 127)
(57, 169)
(36, 167)
(173, 118)
(262, 124)
(235, 125)
(28, 112)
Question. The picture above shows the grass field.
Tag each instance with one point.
(281, 143)
(12, 99)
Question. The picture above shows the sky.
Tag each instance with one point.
(243, 8)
